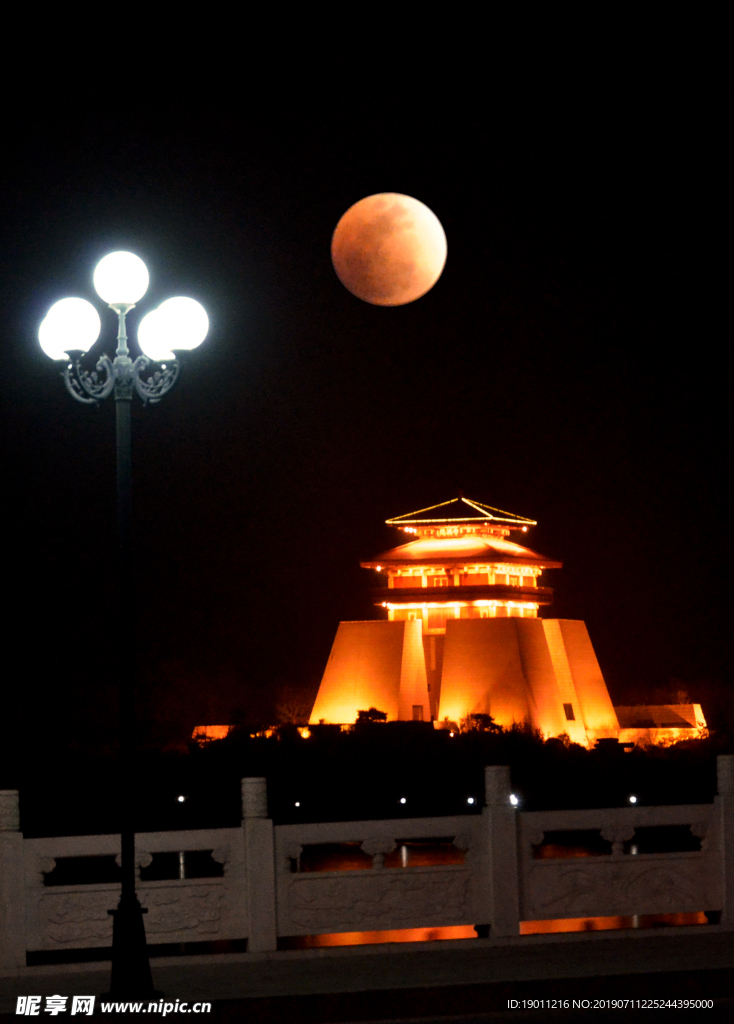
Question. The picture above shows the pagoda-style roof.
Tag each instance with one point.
(460, 510)
(467, 549)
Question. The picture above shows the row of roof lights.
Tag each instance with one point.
(462, 604)
(520, 571)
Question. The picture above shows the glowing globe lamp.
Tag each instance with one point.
(70, 325)
(177, 324)
(185, 321)
(152, 336)
(121, 279)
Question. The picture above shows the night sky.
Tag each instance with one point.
(568, 366)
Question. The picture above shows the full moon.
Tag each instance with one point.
(388, 249)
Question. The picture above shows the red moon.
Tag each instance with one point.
(388, 249)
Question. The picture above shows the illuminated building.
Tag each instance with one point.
(463, 635)
(660, 723)
(204, 734)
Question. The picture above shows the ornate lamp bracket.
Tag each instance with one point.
(121, 375)
(157, 382)
(89, 387)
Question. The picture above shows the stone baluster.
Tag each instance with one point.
(618, 835)
(12, 887)
(377, 847)
(143, 859)
(259, 865)
(44, 867)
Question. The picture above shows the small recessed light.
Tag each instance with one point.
(633, 799)
(298, 803)
(470, 799)
(402, 800)
(180, 799)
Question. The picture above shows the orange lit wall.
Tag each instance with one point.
(541, 671)
(525, 670)
(482, 670)
(373, 664)
(598, 714)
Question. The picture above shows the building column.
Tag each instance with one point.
(12, 885)
(259, 865)
(502, 841)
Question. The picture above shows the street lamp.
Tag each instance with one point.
(68, 331)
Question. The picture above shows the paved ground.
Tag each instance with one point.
(486, 1004)
(482, 1004)
(463, 983)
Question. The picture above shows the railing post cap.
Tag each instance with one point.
(497, 784)
(725, 773)
(9, 810)
(254, 798)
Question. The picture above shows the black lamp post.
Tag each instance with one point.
(69, 330)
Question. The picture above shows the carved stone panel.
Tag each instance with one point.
(617, 887)
(177, 914)
(194, 912)
(377, 901)
(74, 920)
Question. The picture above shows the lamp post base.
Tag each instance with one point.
(131, 977)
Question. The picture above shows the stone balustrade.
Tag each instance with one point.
(490, 870)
